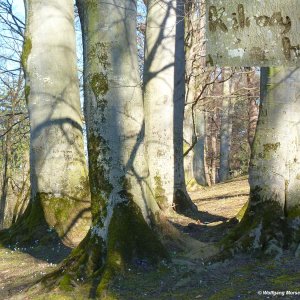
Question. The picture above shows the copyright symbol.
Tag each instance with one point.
(259, 292)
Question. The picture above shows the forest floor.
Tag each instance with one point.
(186, 277)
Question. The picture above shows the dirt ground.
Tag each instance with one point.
(185, 277)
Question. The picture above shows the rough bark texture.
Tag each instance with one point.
(122, 205)
(272, 219)
(59, 176)
(164, 102)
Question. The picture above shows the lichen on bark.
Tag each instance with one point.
(100, 185)
(99, 84)
(159, 194)
(261, 230)
(271, 222)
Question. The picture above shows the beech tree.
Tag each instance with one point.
(164, 95)
(60, 195)
(123, 208)
(271, 220)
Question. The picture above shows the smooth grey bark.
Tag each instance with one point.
(198, 159)
(275, 160)
(196, 77)
(190, 90)
(114, 105)
(164, 94)
(226, 131)
(188, 140)
(274, 166)
(271, 221)
(59, 176)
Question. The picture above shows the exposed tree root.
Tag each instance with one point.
(130, 243)
(264, 230)
(173, 239)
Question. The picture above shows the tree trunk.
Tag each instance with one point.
(213, 134)
(226, 131)
(196, 77)
(122, 206)
(271, 221)
(6, 176)
(60, 195)
(206, 166)
(164, 102)
(253, 109)
(188, 141)
(198, 159)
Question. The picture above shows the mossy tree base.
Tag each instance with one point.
(264, 229)
(69, 217)
(30, 229)
(130, 243)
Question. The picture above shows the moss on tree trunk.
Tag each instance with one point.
(60, 192)
(265, 228)
(122, 206)
(130, 243)
(272, 220)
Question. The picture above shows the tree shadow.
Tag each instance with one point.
(212, 228)
(53, 253)
(225, 196)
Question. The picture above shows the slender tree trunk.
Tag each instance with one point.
(188, 141)
(190, 89)
(60, 194)
(206, 166)
(196, 76)
(164, 102)
(213, 134)
(253, 110)
(271, 221)
(198, 159)
(226, 131)
(6, 176)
